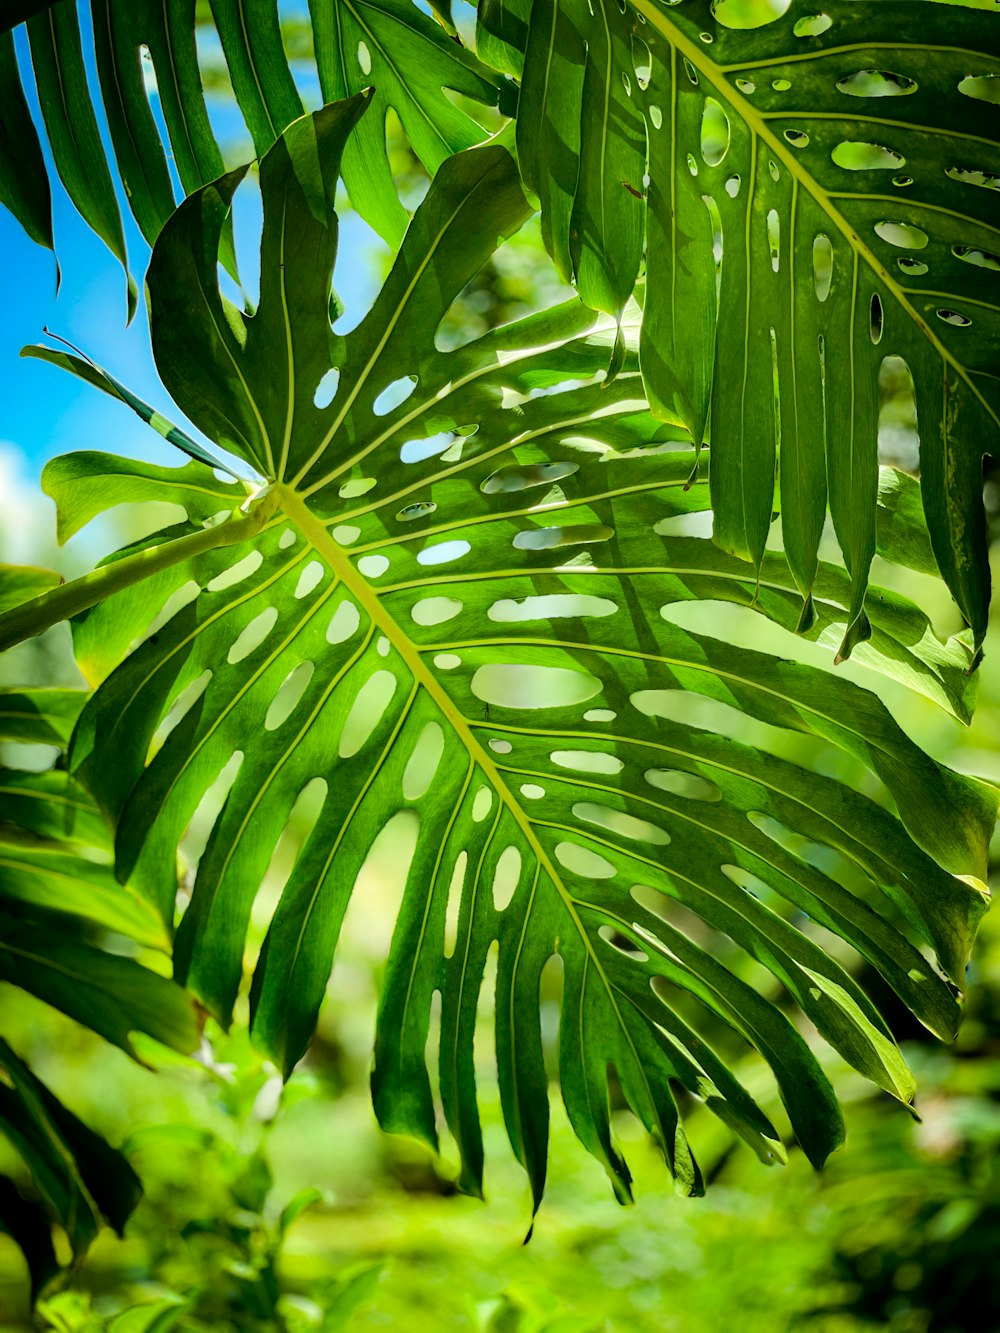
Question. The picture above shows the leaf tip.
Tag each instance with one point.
(858, 631)
(807, 616)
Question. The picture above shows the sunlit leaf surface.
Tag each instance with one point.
(458, 608)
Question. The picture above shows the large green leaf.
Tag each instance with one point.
(816, 195)
(457, 602)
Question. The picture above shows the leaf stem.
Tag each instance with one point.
(62, 603)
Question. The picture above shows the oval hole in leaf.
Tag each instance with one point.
(531, 791)
(745, 14)
(366, 712)
(326, 389)
(435, 610)
(812, 25)
(419, 509)
(901, 182)
(617, 821)
(500, 747)
(600, 715)
(987, 180)
(641, 62)
(513, 685)
(902, 234)
(621, 943)
(447, 661)
(715, 133)
(781, 85)
(520, 478)
(418, 451)
(356, 486)
(288, 695)
(867, 157)
(876, 83)
(582, 861)
(981, 258)
(954, 317)
(237, 573)
(588, 761)
(555, 606)
(733, 186)
(774, 238)
(797, 138)
(423, 763)
(915, 267)
(687, 785)
(455, 887)
(656, 117)
(443, 553)
(983, 87)
(253, 635)
(898, 439)
(550, 996)
(343, 623)
(373, 566)
(505, 877)
(482, 804)
(746, 86)
(546, 539)
(876, 318)
(394, 395)
(309, 578)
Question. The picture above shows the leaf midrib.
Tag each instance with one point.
(314, 531)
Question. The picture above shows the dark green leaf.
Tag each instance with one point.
(24, 182)
(57, 59)
(26, 1224)
(83, 1179)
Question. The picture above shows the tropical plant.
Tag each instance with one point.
(448, 582)
(57, 889)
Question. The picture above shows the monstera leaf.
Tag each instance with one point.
(785, 223)
(451, 590)
(814, 195)
(389, 45)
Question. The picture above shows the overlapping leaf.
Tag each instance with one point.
(456, 602)
(84, 1180)
(58, 895)
(147, 57)
(817, 194)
